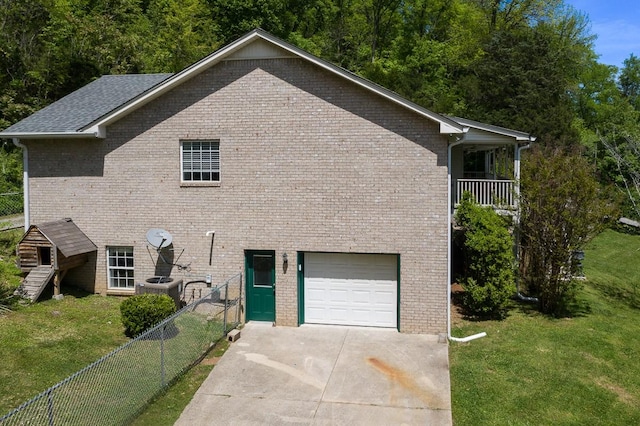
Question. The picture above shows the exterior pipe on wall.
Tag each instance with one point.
(212, 235)
(25, 180)
(449, 253)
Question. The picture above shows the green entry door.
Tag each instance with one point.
(261, 290)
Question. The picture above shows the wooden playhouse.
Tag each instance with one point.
(47, 251)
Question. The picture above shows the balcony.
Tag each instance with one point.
(488, 192)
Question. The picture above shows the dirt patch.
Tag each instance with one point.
(457, 315)
(622, 393)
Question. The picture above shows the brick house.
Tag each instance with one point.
(332, 195)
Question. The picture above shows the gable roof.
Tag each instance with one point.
(503, 131)
(66, 236)
(284, 50)
(70, 114)
(88, 111)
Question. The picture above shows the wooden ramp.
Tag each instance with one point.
(36, 281)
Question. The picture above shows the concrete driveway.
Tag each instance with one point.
(325, 375)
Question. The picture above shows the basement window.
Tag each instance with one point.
(120, 267)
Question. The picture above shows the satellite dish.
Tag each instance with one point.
(159, 238)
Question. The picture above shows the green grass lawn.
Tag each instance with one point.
(535, 370)
(48, 341)
(530, 369)
(166, 408)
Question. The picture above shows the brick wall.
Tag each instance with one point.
(309, 162)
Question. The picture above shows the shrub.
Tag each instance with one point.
(10, 277)
(487, 246)
(143, 311)
(563, 207)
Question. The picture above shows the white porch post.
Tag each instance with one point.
(516, 177)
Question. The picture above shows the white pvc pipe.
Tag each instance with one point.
(25, 181)
(468, 338)
(449, 254)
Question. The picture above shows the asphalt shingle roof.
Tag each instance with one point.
(66, 235)
(87, 104)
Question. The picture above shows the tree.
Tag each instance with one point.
(487, 246)
(610, 127)
(562, 208)
(622, 166)
(234, 18)
(184, 33)
(10, 169)
(629, 80)
(522, 82)
(25, 82)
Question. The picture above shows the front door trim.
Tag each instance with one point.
(260, 297)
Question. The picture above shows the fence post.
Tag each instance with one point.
(50, 406)
(239, 308)
(162, 356)
(226, 301)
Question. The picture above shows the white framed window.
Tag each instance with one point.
(120, 267)
(200, 160)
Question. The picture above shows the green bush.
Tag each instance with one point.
(563, 207)
(10, 277)
(143, 311)
(487, 246)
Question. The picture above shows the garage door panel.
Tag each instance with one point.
(316, 295)
(361, 296)
(339, 315)
(339, 295)
(384, 297)
(351, 289)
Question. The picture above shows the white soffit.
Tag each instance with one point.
(260, 49)
(475, 135)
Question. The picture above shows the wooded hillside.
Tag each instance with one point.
(523, 64)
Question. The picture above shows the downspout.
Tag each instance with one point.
(449, 252)
(516, 173)
(25, 181)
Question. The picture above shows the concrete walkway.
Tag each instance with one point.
(325, 375)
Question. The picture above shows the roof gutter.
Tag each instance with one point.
(25, 181)
(52, 135)
(449, 252)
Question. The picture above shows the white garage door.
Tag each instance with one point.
(351, 289)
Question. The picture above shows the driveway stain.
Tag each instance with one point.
(401, 378)
(293, 372)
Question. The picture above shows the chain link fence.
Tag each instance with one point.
(11, 203)
(117, 387)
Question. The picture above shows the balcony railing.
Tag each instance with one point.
(496, 193)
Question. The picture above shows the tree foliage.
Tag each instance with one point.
(523, 64)
(562, 208)
(10, 170)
